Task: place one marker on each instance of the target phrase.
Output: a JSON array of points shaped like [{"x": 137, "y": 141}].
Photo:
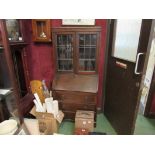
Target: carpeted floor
[
  {"x": 103, "y": 125},
  {"x": 144, "y": 126}
]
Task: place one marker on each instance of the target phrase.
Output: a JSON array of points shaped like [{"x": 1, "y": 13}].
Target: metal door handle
[{"x": 137, "y": 61}]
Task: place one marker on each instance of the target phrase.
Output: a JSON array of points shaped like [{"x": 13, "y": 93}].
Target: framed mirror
[{"x": 14, "y": 30}]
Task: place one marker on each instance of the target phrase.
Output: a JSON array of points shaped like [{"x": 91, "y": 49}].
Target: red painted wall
[
  {"x": 40, "y": 55},
  {"x": 101, "y": 23}
]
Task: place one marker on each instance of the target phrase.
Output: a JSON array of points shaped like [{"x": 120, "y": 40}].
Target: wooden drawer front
[
  {"x": 70, "y": 102},
  {"x": 76, "y": 97},
  {"x": 90, "y": 98},
  {"x": 74, "y": 107},
  {"x": 91, "y": 107}
]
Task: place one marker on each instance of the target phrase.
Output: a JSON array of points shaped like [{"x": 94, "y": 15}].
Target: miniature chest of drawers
[{"x": 75, "y": 92}]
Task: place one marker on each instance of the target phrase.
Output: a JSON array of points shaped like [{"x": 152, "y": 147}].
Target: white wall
[{"x": 148, "y": 75}]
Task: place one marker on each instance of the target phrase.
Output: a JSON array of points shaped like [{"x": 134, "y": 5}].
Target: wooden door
[{"x": 128, "y": 40}]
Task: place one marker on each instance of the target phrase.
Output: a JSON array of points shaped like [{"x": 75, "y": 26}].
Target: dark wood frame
[
  {"x": 48, "y": 30},
  {"x": 0, "y": 40},
  {"x": 8, "y": 56},
  {"x": 105, "y": 63},
  {"x": 75, "y": 31},
  {"x": 26, "y": 72},
  {"x": 21, "y": 48}
]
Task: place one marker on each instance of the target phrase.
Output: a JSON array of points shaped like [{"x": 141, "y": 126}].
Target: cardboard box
[
  {"x": 84, "y": 120},
  {"x": 47, "y": 123}
]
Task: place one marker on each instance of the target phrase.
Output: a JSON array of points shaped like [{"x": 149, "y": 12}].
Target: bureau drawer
[
  {"x": 75, "y": 107},
  {"x": 91, "y": 107},
  {"x": 76, "y": 97},
  {"x": 70, "y": 102}
]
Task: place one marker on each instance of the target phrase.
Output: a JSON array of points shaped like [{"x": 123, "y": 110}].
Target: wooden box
[{"x": 84, "y": 120}]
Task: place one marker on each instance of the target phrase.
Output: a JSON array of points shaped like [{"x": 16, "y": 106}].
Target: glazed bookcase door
[
  {"x": 87, "y": 52},
  {"x": 76, "y": 49},
  {"x": 64, "y": 54}
]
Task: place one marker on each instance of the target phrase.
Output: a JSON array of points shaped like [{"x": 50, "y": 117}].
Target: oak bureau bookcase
[{"x": 75, "y": 84}]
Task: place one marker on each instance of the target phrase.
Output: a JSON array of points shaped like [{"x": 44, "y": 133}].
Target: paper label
[
  {"x": 84, "y": 122},
  {"x": 20, "y": 39}
]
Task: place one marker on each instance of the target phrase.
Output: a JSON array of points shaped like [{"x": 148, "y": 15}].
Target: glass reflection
[
  {"x": 8, "y": 104},
  {"x": 13, "y": 29},
  {"x": 87, "y": 52}
]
